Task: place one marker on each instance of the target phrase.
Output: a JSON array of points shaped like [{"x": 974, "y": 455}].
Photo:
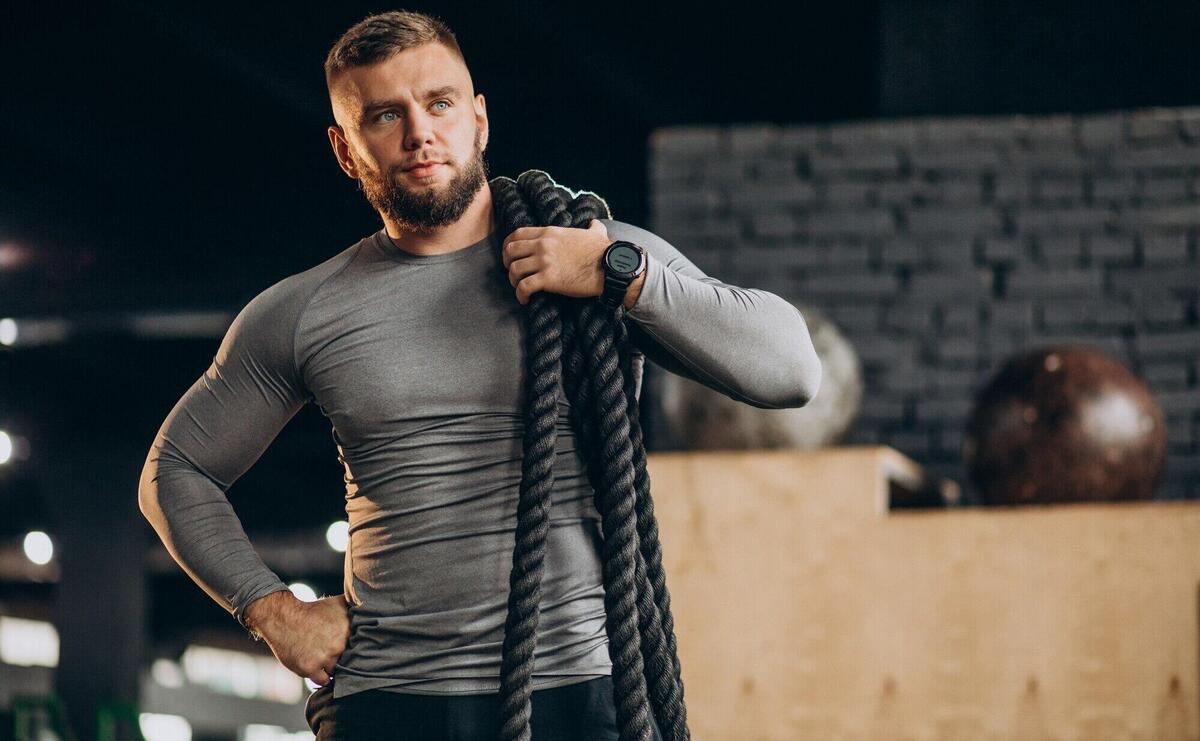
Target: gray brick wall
[{"x": 943, "y": 246}]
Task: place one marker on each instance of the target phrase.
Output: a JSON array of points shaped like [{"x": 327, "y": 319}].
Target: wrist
[
  {"x": 634, "y": 291},
  {"x": 263, "y": 613}
]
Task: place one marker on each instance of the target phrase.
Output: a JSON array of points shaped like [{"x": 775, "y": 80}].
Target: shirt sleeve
[
  {"x": 214, "y": 433},
  {"x": 746, "y": 343}
]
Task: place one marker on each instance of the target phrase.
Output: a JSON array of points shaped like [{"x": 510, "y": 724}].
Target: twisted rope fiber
[{"x": 582, "y": 348}]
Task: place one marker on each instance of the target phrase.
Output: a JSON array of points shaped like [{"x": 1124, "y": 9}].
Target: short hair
[{"x": 378, "y": 37}]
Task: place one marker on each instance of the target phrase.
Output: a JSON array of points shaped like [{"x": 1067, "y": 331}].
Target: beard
[{"x": 428, "y": 208}]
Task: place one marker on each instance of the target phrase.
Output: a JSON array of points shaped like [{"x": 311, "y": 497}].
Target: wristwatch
[{"x": 623, "y": 262}]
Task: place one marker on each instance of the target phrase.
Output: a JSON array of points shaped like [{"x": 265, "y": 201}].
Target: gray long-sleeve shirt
[{"x": 418, "y": 363}]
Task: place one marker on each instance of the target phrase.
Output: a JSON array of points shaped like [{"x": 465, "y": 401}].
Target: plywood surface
[{"x": 805, "y": 610}]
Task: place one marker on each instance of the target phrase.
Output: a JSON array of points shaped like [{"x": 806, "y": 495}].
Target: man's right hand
[{"x": 306, "y": 637}]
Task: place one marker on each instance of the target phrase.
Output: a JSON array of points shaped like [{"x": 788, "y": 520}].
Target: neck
[{"x": 472, "y": 226}]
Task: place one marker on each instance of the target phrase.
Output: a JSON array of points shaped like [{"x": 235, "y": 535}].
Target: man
[{"x": 410, "y": 341}]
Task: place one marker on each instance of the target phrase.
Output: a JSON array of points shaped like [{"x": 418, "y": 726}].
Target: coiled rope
[{"x": 581, "y": 348}]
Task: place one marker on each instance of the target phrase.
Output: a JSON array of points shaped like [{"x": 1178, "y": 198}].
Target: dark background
[{"x": 173, "y": 156}]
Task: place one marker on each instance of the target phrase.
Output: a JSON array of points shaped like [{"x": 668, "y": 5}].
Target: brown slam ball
[{"x": 1065, "y": 424}]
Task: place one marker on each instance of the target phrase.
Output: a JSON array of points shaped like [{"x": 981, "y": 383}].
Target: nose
[{"x": 419, "y": 132}]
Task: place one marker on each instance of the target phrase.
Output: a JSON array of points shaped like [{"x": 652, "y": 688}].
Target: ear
[
  {"x": 341, "y": 150},
  {"x": 481, "y": 120}
]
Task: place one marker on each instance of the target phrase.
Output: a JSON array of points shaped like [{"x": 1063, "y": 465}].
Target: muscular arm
[
  {"x": 215, "y": 432},
  {"x": 749, "y": 344}
]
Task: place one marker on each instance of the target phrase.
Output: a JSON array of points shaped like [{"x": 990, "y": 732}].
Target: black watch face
[{"x": 623, "y": 258}]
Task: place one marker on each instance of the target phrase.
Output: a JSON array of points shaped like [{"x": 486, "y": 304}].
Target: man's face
[{"x": 417, "y": 107}]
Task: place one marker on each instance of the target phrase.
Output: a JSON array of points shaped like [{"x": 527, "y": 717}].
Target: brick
[
  {"x": 936, "y": 410},
  {"x": 895, "y": 133},
  {"x": 1063, "y": 162},
  {"x": 1110, "y": 249},
  {"x": 687, "y": 140},
  {"x": 998, "y": 249},
  {"x": 773, "y": 225},
  {"x": 1059, "y": 250},
  {"x": 959, "y": 318},
  {"x": 1067, "y": 219},
  {"x": 864, "y": 222},
  {"x": 1157, "y": 159},
  {"x": 938, "y": 286},
  {"x": 852, "y": 285},
  {"x": 977, "y": 220},
  {"x": 1182, "y": 400},
  {"x": 845, "y": 257},
  {"x": 1012, "y": 188},
  {"x": 1152, "y": 282},
  {"x": 855, "y": 318},
  {"x": 1164, "y": 189},
  {"x": 765, "y": 260},
  {"x": 1113, "y": 346},
  {"x": 1113, "y": 188},
  {"x": 1168, "y": 344},
  {"x": 1057, "y": 315},
  {"x": 877, "y": 408},
  {"x": 1164, "y": 249},
  {"x": 1048, "y": 283},
  {"x": 1009, "y": 314},
  {"x": 959, "y": 191},
  {"x": 886, "y": 349},
  {"x": 687, "y": 229},
  {"x": 951, "y": 381},
  {"x": 849, "y": 192},
  {"x": 878, "y": 162},
  {"x": 753, "y": 138},
  {"x": 951, "y": 252},
  {"x": 801, "y": 138},
  {"x": 967, "y": 132},
  {"x": 1156, "y": 125},
  {"x": 1102, "y": 132},
  {"x": 1189, "y": 124},
  {"x": 685, "y": 201},
  {"x": 1058, "y": 190},
  {"x": 1165, "y": 375},
  {"x": 773, "y": 170},
  {"x": 897, "y": 251},
  {"x": 913, "y": 443},
  {"x": 1161, "y": 310},
  {"x": 1048, "y": 132},
  {"x": 967, "y": 160},
  {"x": 750, "y": 196},
  {"x": 957, "y": 350},
  {"x": 1166, "y": 217},
  {"x": 908, "y": 317}
]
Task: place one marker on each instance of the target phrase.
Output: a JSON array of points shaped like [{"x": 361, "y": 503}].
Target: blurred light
[
  {"x": 338, "y": 536},
  {"x": 8, "y": 331},
  {"x": 259, "y": 732},
  {"x": 167, "y": 673},
  {"x": 159, "y": 727},
  {"x": 14, "y": 256},
  {"x": 6, "y": 447},
  {"x": 242, "y": 674},
  {"x": 38, "y": 547},
  {"x": 28, "y": 642},
  {"x": 303, "y": 592},
  {"x": 311, "y": 685}
]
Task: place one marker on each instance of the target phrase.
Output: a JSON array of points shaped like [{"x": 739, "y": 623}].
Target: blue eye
[
  {"x": 443, "y": 102},
  {"x": 387, "y": 116}
]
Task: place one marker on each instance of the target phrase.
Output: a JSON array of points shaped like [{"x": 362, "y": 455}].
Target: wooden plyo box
[{"x": 807, "y": 610}]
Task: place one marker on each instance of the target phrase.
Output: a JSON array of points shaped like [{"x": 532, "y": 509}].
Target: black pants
[{"x": 576, "y": 712}]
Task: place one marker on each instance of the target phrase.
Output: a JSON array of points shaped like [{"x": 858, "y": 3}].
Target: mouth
[{"x": 423, "y": 170}]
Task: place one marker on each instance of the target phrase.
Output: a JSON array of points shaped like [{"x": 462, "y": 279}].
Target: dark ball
[{"x": 1065, "y": 424}]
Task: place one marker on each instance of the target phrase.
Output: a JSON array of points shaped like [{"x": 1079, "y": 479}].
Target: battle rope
[{"x": 583, "y": 346}]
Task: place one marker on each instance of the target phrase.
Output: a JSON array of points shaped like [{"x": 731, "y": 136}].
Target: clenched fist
[{"x": 306, "y": 637}]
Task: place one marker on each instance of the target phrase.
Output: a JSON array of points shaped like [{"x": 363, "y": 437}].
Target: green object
[
  {"x": 109, "y": 717},
  {"x": 33, "y": 718}
]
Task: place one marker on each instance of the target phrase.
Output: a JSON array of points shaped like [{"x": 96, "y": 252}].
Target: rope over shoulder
[{"x": 579, "y": 348}]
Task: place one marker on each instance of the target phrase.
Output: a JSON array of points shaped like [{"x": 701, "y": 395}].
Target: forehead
[{"x": 405, "y": 74}]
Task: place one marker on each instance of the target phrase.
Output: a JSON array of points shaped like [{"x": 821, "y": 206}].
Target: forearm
[
  {"x": 750, "y": 344},
  {"x": 200, "y": 530}
]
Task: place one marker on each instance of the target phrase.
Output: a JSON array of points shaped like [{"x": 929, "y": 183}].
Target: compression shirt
[{"x": 418, "y": 363}]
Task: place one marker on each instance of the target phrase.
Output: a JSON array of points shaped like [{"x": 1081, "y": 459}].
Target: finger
[
  {"x": 320, "y": 677},
  {"x": 524, "y": 233},
  {"x": 597, "y": 226},
  {"x": 523, "y": 268},
  {"x": 527, "y": 287},
  {"x": 516, "y": 250}
]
